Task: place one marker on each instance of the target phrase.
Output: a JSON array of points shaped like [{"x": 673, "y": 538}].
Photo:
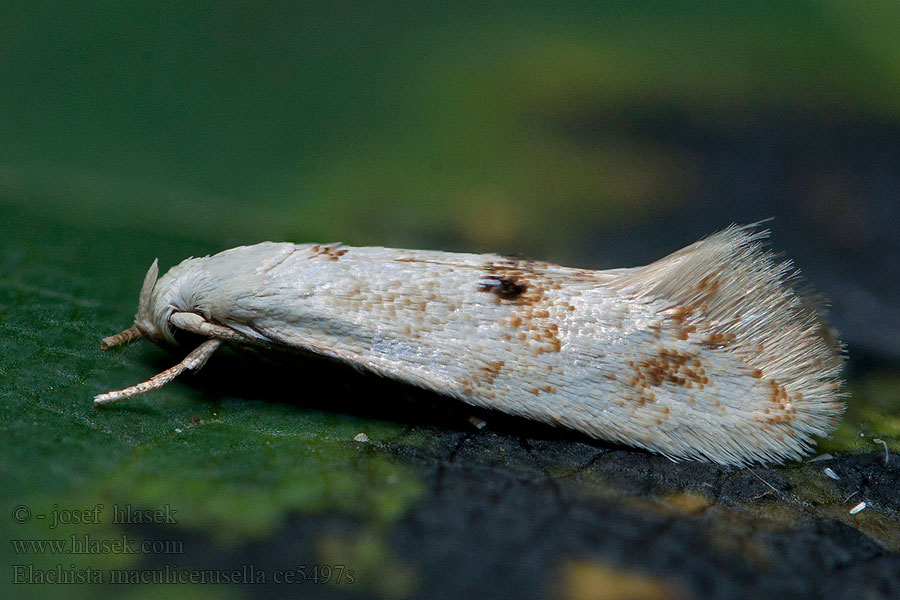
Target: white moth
[{"x": 704, "y": 354}]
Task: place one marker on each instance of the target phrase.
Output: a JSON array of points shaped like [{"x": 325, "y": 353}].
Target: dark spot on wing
[{"x": 505, "y": 288}]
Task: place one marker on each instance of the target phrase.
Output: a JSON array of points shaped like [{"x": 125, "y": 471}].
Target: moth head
[{"x": 185, "y": 288}]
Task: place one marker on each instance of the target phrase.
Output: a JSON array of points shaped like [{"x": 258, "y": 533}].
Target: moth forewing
[{"x": 707, "y": 353}]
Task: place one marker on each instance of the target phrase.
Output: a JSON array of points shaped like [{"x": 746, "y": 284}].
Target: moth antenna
[
  {"x": 192, "y": 362},
  {"x": 120, "y": 338}
]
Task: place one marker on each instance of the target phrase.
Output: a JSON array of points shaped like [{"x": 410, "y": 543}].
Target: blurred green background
[
  {"x": 601, "y": 134},
  {"x": 403, "y": 123}
]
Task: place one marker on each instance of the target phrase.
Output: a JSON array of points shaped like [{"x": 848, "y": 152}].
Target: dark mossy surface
[{"x": 598, "y": 136}]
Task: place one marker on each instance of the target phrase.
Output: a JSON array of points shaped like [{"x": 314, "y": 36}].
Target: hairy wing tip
[{"x": 731, "y": 289}]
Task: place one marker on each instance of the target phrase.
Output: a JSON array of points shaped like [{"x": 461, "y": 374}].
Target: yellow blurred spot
[
  {"x": 688, "y": 502},
  {"x": 368, "y": 564},
  {"x": 584, "y": 580}
]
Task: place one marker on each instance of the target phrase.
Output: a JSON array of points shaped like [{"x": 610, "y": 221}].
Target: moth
[{"x": 708, "y": 353}]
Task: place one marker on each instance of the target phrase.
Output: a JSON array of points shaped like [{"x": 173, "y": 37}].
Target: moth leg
[
  {"x": 195, "y": 323},
  {"x": 193, "y": 362}
]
